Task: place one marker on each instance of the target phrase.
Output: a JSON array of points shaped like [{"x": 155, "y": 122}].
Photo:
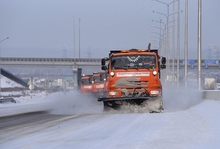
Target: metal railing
[{"x": 69, "y": 62}]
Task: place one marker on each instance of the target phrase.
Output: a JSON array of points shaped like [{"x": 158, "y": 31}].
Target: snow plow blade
[{"x": 148, "y": 104}]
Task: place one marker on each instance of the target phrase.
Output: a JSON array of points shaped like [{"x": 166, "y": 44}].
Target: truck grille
[{"x": 134, "y": 82}]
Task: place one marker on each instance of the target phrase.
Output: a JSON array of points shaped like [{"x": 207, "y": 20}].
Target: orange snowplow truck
[
  {"x": 134, "y": 78},
  {"x": 86, "y": 84},
  {"x": 99, "y": 81}
]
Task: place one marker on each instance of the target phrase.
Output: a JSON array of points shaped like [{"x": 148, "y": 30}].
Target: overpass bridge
[
  {"x": 48, "y": 62},
  {"x": 208, "y": 65},
  {"x": 80, "y": 62}
]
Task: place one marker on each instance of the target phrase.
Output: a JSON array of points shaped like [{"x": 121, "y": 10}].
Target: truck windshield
[
  {"x": 97, "y": 79},
  {"x": 133, "y": 61},
  {"x": 86, "y": 81}
]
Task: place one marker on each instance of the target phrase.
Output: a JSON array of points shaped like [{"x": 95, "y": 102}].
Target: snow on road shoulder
[
  {"x": 210, "y": 109},
  {"x": 5, "y": 82},
  {"x": 75, "y": 103},
  {"x": 177, "y": 99},
  {"x": 190, "y": 128},
  {"x": 57, "y": 103}
]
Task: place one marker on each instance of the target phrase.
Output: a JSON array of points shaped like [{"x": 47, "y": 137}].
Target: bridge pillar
[
  {"x": 79, "y": 74},
  {"x": 75, "y": 73}
]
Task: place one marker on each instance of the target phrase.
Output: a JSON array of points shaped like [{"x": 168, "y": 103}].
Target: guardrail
[{"x": 65, "y": 62}]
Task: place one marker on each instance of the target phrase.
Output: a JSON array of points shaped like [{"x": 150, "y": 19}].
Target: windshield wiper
[{"x": 134, "y": 66}]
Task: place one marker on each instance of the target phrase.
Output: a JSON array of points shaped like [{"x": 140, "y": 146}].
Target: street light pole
[
  {"x": 158, "y": 42},
  {"x": 74, "y": 40},
  {"x": 168, "y": 41},
  {"x": 79, "y": 37},
  {"x": 160, "y": 37},
  {"x": 162, "y": 46},
  {"x": 161, "y": 22},
  {"x": 0, "y": 63},
  {"x": 186, "y": 44},
  {"x": 199, "y": 42},
  {"x": 173, "y": 45},
  {"x": 178, "y": 45}
]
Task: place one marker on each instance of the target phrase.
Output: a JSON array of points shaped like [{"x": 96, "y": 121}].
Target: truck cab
[
  {"x": 99, "y": 83},
  {"x": 134, "y": 77},
  {"x": 86, "y": 84}
]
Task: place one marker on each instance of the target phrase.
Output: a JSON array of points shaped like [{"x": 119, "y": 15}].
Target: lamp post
[
  {"x": 162, "y": 39},
  {"x": 167, "y": 17},
  {"x": 162, "y": 33},
  {"x": 0, "y": 62},
  {"x": 186, "y": 44},
  {"x": 158, "y": 38},
  {"x": 74, "y": 40},
  {"x": 199, "y": 42},
  {"x": 79, "y": 38},
  {"x": 168, "y": 40},
  {"x": 178, "y": 45},
  {"x": 173, "y": 46}
]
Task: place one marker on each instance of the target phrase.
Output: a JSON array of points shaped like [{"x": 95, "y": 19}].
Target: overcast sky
[{"x": 44, "y": 28}]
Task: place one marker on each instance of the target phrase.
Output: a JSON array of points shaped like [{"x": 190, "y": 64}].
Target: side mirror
[
  {"x": 163, "y": 66},
  {"x": 104, "y": 67},
  {"x": 163, "y": 60},
  {"x": 103, "y": 61}
]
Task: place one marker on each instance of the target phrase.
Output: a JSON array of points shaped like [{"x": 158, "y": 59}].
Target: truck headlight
[
  {"x": 112, "y": 74},
  {"x": 154, "y": 73},
  {"x": 154, "y": 92},
  {"x": 112, "y": 93}
]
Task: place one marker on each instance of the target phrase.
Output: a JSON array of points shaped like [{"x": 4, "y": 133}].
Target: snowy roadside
[
  {"x": 56, "y": 103},
  {"x": 73, "y": 102},
  {"x": 25, "y": 104}
]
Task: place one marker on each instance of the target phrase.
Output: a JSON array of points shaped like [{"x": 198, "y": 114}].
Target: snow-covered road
[{"x": 189, "y": 123}]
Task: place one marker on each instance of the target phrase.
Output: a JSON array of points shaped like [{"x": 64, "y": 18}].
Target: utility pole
[
  {"x": 74, "y": 40},
  {"x": 199, "y": 42},
  {"x": 178, "y": 45},
  {"x": 79, "y": 37},
  {"x": 186, "y": 44},
  {"x": 173, "y": 45},
  {"x": 168, "y": 35}
]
